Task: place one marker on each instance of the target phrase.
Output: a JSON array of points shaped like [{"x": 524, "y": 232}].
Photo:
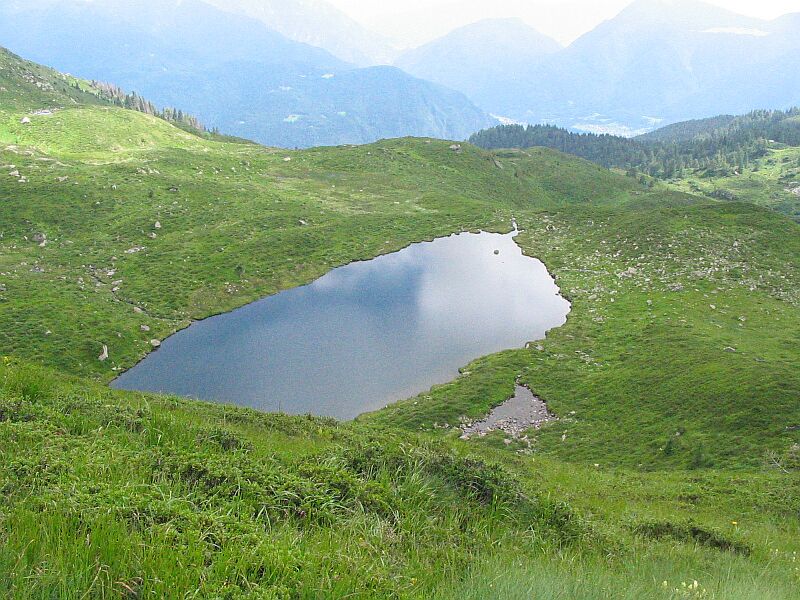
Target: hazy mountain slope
[
  {"x": 352, "y": 107},
  {"x": 480, "y": 58},
  {"x": 658, "y": 61},
  {"x": 673, "y": 61},
  {"x": 232, "y": 72},
  {"x": 317, "y": 23}
]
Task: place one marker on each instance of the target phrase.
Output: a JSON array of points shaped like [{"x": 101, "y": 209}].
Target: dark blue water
[{"x": 364, "y": 335}]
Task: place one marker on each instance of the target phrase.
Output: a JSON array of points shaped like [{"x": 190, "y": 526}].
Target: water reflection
[{"x": 363, "y": 335}]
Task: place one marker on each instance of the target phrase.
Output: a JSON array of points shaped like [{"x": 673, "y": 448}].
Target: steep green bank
[
  {"x": 112, "y": 495},
  {"x": 674, "y": 459}
]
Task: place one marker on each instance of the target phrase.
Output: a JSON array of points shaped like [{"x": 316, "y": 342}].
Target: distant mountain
[
  {"x": 663, "y": 61},
  {"x": 657, "y": 62},
  {"x": 353, "y": 107},
  {"x": 233, "y": 72},
  {"x": 480, "y": 59},
  {"x": 317, "y": 23}
]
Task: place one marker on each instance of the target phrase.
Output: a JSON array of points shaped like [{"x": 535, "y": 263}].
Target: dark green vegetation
[
  {"x": 676, "y": 379},
  {"x": 728, "y": 158},
  {"x": 721, "y": 145}
]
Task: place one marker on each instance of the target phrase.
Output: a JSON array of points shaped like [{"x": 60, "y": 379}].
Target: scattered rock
[
  {"x": 456, "y": 147},
  {"x": 25, "y": 120},
  {"x": 104, "y": 354},
  {"x": 38, "y": 238},
  {"x": 730, "y": 349},
  {"x": 14, "y": 173},
  {"x": 137, "y": 310},
  {"x": 155, "y": 343},
  {"x": 157, "y": 225},
  {"x": 515, "y": 416},
  {"x": 62, "y": 179},
  {"x": 144, "y": 328}
]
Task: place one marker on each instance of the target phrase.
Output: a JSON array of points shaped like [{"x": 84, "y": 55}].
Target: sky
[{"x": 414, "y": 22}]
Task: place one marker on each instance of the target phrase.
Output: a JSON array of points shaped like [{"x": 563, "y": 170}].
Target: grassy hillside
[
  {"x": 674, "y": 459},
  {"x": 772, "y": 181},
  {"x": 681, "y": 348},
  {"x": 752, "y": 157},
  {"x": 118, "y": 220},
  {"x": 110, "y": 495}
]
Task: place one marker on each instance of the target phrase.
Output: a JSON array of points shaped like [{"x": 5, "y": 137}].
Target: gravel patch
[{"x": 514, "y": 417}]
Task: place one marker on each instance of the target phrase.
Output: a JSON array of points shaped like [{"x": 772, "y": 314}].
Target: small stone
[
  {"x": 137, "y": 310},
  {"x": 25, "y": 120},
  {"x": 144, "y": 328},
  {"x": 155, "y": 343},
  {"x": 157, "y": 225},
  {"x": 104, "y": 354}
]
